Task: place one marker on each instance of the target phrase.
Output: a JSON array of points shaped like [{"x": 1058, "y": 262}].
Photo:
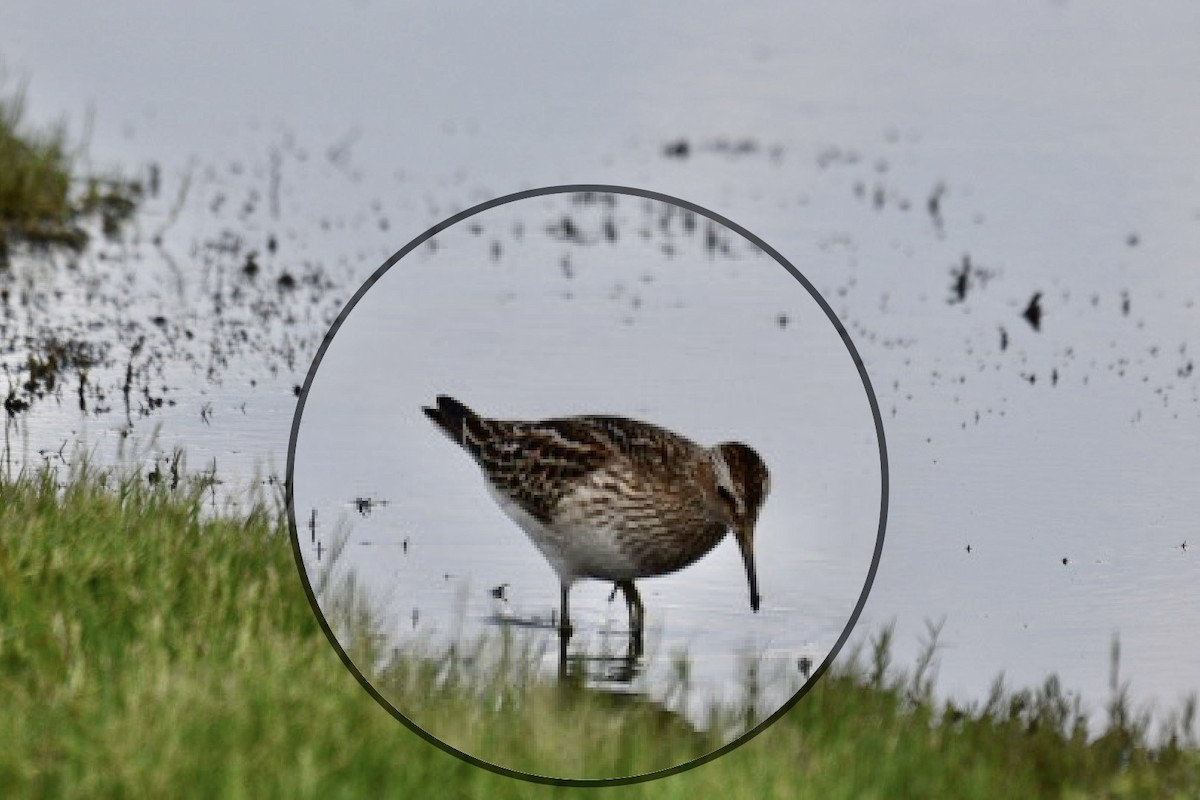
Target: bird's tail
[{"x": 455, "y": 420}]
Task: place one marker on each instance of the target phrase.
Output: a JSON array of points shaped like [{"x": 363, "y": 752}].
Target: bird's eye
[{"x": 726, "y": 496}]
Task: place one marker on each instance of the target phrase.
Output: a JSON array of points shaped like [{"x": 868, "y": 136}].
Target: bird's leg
[
  {"x": 636, "y": 613},
  {"x": 564, "y": 623}
]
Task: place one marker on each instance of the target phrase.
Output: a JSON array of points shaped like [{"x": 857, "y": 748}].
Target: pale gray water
[
  {"x": 1064, "y": 135},
  {"x": 646, "y": 321}
]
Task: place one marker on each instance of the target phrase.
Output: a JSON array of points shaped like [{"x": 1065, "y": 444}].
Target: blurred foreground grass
[{"x": 149, "y": 648}]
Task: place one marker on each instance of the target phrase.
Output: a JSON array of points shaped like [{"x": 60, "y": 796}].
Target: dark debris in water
[
  {"x": 565, "y": 230},
  {"x": 1033, "y": 311},
  {"x": 48, "y": 362},
  {"x": 365, "y": 505},
  {"x": 250, "y": 308},
  {"x": 98, "y": 328},
  {"x": 732, "y": 148},
  {"x": 962, "y": 281},
  {"x": 677, "y": 149},
  {"x": 934, "y": 204}
]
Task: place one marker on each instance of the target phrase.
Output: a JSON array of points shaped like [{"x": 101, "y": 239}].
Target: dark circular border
[{"x": 572, "y": 189}]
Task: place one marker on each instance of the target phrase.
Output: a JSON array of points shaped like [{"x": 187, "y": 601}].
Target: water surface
[{"x": 1050, "y": 144}]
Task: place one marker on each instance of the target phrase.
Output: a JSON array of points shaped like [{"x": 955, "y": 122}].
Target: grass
[
  {"x": 44, "y": 203},
  {"x": 151, "y": 648},
  {"x": 488, "y": 697}
]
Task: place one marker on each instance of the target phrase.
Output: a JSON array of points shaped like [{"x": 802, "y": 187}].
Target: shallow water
[
  {"x": 1063, "y": 138},
  {"x": 612, "y": 304}
]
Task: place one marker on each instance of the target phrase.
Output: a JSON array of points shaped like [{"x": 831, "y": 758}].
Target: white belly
[{"x": 573, "y": 549}]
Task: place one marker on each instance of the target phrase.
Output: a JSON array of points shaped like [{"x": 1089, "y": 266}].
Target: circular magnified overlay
[{"x": 587, "y": 484}]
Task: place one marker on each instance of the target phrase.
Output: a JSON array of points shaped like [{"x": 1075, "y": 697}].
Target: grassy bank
[
  {"x": 150, "y": 650},
  {"x": 45, "y": 201}
]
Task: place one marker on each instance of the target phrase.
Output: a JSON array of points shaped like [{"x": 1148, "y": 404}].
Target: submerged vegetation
[
  {"x": 45, "y": 204},
  {"x": 152, "y": 647}
]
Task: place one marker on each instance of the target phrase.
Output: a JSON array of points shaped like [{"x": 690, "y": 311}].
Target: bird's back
[{"x": 537, "y": 463}]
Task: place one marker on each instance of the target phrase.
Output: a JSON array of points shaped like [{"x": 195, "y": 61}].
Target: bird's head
[{"x": 740, "y": 487}]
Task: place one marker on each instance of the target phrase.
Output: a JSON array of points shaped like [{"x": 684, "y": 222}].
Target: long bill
[{"x": 745, "y": 539}]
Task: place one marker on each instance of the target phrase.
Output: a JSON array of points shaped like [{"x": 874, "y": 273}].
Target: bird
[{"x": 611, "y": 498}]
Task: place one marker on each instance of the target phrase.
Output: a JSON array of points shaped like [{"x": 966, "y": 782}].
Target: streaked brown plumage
[{"x": 612, "y": 498}]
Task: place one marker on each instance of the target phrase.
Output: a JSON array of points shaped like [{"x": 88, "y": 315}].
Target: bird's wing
[{"x": 536, "y": 463}]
